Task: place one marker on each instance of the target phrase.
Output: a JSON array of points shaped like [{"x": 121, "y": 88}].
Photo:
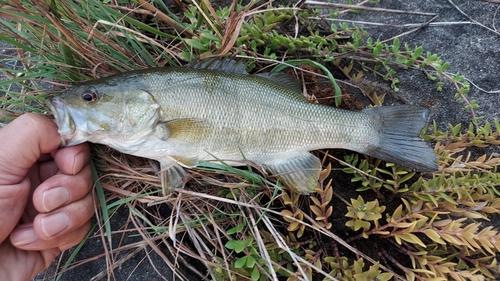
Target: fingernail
[
  {"x": 54, "y": 198},
  {"x": 79, "y": 162},
  {"x": 53, "y": 224},
  {"x": 23, "y": 236}
]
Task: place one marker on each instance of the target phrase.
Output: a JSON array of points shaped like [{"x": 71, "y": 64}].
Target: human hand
[{"x": 45, "y": 196}]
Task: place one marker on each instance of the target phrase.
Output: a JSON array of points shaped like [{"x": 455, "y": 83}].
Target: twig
[
  {"x": 343, "y": 6},
  {"x": 473, "y": 20},
  {"x": 481, "y": 89},
  {"x": 490, "y": 1},
  {"x": 390, "y": 24}
]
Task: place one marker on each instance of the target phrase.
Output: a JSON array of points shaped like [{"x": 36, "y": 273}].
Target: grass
[{"x": 235, "y": 224}]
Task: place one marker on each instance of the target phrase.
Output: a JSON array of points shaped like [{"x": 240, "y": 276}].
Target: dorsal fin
[
  {"x": 231, "y": 66},
  {"x": 284, "y": 80},
  {"x": 225, "y": 65}
]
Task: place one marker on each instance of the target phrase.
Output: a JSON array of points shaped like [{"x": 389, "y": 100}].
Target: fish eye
[{"x": 90, "y": 95}]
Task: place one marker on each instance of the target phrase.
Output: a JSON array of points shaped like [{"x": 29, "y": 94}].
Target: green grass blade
[{"x": 102, "y": 202}]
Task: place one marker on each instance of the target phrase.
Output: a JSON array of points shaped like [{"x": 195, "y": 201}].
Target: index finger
[{"x": 22, "y": 143}]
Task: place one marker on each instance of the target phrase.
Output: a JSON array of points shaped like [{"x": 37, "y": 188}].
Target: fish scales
[
  {"x": 183, "y": 115},
  {"x": 247, "y": 116}
]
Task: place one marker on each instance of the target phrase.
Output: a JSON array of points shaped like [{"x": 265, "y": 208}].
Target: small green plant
[
  {"x": 247, "y": 263},
  {"x": 364, "y": 214},
  {"x": 431, "y": 225}
]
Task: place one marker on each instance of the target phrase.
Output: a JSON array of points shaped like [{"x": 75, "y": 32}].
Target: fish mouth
[{"x": 66, "y": 126}]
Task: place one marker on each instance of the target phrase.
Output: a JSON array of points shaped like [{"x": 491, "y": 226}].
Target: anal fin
[
  {"x": 300, "y": 173},
  {"x": 172, "y": 176}
]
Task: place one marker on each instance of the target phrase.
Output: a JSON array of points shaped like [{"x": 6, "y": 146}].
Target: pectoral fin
[
  {"x": 172, "y": 176},
  {"x": 300, "y": 173},
  {"x": 187, "y": 130}
]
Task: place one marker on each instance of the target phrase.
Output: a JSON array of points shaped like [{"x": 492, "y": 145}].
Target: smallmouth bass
[{"x": 204, "y": 112}]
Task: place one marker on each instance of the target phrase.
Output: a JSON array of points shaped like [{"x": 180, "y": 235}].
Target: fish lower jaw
[
  {"x": 131, "y": 145},
  {"x": 71, "y": 137}
]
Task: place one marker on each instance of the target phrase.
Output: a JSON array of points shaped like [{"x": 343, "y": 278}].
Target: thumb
[
  {"x": 22, "y": 143},
  {"x": 13, "y": 199}
]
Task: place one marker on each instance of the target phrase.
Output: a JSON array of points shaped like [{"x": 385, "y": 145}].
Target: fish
[{"x": 217, "y": 111}]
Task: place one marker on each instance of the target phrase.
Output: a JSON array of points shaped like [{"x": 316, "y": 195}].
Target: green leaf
[
  {"x": 444, "y": 67},
  {"x": 236, "y": 245},
  {"x": 397, "y": 213},
  {"x": 239, "y": 263},
  {"x": 406, "y": 177},
  {"x": 333, "y": 28},
  {"x": 369, "y": 42},
  {"x": 377, "y": 49},
  {"x": 431, "y": 233},
  {"x": 11, "y": 41},
  {"x": 410, "y": 276},
  {"x": 447, "y": 198},
  {"x": 412, "y": 238},
  {"x": 210, "y": 36},
  {"x": 250, "y": 261},
  {"x": 249, "y": 241},
  {"x": 486, "y": 129},
  {"x": 195, "y": 44},
  {"x": 384, "y": 277},
  {"x": 255, "y": 274},
  {"x": 237, "y": 229},
  {"x": 395, "y": 45},
  {"x": 417, "y": 53}
]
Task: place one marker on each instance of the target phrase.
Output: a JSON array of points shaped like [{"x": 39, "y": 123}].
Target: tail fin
[{"x": 399, "y": 140}]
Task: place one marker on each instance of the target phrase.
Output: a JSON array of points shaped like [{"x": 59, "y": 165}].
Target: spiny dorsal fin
[
  {"x": 230, "y": 66},
  {"x": 225, "y": 65}
]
